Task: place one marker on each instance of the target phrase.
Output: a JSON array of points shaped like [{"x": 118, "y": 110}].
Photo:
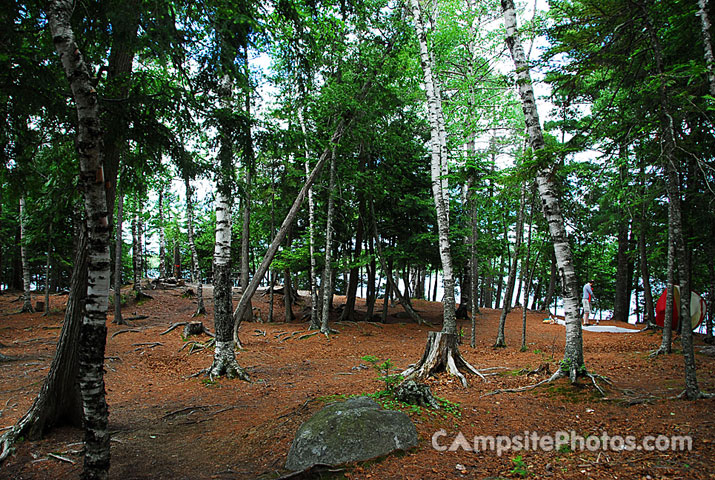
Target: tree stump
[
  {"x": 39, "y": 306},
  {"x": 414, "y": 393},
  {"x": 194, "y": 328},
  {"x": 441, "y": 354}
]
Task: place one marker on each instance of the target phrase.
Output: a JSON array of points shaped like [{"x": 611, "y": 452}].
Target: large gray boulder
[{"x": 354, "y": 430}]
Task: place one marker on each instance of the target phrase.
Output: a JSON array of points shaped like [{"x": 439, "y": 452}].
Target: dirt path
[{"x": 167, "y": 425}]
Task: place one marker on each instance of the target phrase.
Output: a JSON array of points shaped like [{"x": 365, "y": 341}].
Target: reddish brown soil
[{"x": 166, "y": 425}]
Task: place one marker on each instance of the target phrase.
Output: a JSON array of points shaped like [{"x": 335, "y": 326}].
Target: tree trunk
[
  {"x": 195, "y": 271},
  {"x": 93, "y": 331},
  {"x": 224, "y": 363},
  {"x": 162, "y": 236},
  {"x": 246, "y": 227},
  {"x": 707, "y": 43},
  {"x": 511, "y": 279},
  {"x": 573, "y": 361},
  {"x": 59, "y": 401},
  {"x": 118, "y": 261},
  {"x": 137, "y": 254},
  {"x": 474, "y": 270},
  {"x": 440, "y": 191},
  {"x": 278, "y": 239},
  {"x": 26, "y": 295},
  {"x": 47, "y": 270},
  {"x": 372, "y": 286},
  {"x": 177, "y": 260},
  {"x": 314, "y": 320},
  {"x": 645, "y": 274},
  {"x": 672, "y": 166},
  {"x": 328, "y": 268},
  {"x": 622, "y": 302},
  {"x": 351, "y": 293}
]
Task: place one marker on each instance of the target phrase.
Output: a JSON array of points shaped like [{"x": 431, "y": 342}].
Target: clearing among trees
[{"x": 165, "y": 424}]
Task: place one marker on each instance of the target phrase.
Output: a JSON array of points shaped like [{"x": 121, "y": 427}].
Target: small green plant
[
  {"x": 564, "y": 448},
  {"x": 520, "y": 467},
  {"x": 391, "y": 379}
]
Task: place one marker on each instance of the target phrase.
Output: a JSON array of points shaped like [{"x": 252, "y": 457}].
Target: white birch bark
[
  {"x": 314, "y": 323},
  {"x": 328, "y": 270},
  {"x": 437, "y": 169},
  {"x": 573, "y": 355},
  {"x": 162, "y": 236},
  {"x": 26, "y": 294},
  {"x": 224, "y": 363},
  {"x": 93, "y": 331}
]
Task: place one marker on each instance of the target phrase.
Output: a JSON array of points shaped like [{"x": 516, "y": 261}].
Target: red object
[{"x": 697, "y": 309}]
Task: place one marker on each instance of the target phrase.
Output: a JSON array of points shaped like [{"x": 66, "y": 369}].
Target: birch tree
[
  {"x": 26, "y": 288},
  {"x": 93, "y": 332},
  {"x": 573, "y": 362},
  {"x": 441, "y": 351},
  {"x": 328, "y": 268}
]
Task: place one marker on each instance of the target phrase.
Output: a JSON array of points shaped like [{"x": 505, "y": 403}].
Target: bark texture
[
  {"x": 26, "y": 293},
  {"x": 93, "y": 331},
  {"x": 573, "y": 361},
  {"x": 328, "y": 269}
]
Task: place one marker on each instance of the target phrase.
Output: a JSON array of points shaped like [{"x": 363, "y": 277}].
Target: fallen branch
[{"x": 136, "y": 317}]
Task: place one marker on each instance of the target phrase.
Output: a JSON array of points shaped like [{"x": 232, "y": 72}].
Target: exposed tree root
[
  {"x": 559, "y": 374},
  {"x": 126, "y": 330},
  {"x": 173, "y": 326},
  {"x": 441, "y": 354},
  {"x": 658, "y": 351},
  {"x": 225, "y": 365}
]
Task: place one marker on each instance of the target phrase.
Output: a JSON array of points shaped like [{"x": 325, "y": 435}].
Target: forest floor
[{"x": 166, "y": 425}]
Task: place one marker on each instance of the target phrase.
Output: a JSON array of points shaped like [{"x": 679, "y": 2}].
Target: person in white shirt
[{"x": 588, "y": 297}]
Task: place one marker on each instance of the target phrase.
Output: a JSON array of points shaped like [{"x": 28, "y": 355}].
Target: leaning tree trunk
[
  {"x": 26, "y": 295},
  {"x": 282, "y": 231},
  {"x": 573, "y": 362},
  {"x": 93, "y": 331},
  {"x": 118, "y": 261},
  {"x": 328, "y": 268},
  {"x": 195, "y": 273},
  {"x": 441, "y": 351},
  {"x": 342, "y": 125}
]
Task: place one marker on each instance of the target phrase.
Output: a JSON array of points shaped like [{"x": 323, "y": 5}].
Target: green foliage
[
  {"x": 383, "y": 368},
  {"x": 520, "y": 469}
]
